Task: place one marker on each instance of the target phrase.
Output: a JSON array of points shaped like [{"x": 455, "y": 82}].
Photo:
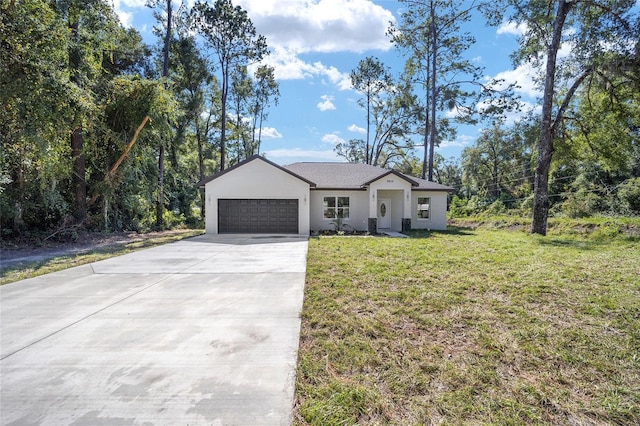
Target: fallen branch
[{"x": 124, "y": 155}]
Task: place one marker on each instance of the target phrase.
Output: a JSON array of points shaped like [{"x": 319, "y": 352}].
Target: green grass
[
  {"x": 471, "y": 327},
  {"x": 33, "y": 269}
]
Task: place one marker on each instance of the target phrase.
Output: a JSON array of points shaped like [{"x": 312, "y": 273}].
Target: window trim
[
  {"x": 428, "y": 210},
  {"x": 335, "y": 198}
]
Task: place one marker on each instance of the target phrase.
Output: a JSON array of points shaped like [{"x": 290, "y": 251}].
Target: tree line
[
  {"x": 577, "y": 153},
  {"x": 102, "y": 131}
]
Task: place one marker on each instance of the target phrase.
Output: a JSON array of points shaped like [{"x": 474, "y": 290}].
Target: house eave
[{"x": 338, "y": 189}]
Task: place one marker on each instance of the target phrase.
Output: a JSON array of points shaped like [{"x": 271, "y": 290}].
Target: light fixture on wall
[{"x": 407, "y": 195}]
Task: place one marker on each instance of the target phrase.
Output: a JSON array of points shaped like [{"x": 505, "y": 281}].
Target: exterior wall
[
  {"x": 438, "y": 215},
  {"x": 358, "y": 210},
  {"x": 257, "y": 179}
]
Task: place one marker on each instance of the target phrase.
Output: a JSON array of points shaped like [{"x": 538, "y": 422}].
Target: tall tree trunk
[
  {"x": 167, "y": 42},
  {"x": 160, "y": 196},
  {"x": 223, "y": 114},
  {"x": 77, "y": 138},
  {"x": 200, "y": 138},
  {"x": 367, "y": 156},
  {"x": 496, "y": 180},
  {"x": 425, "y": 155},
  {"x": 18, "y": 218},
  {"x": 79, "y": 174},
  {"x": 434, "y": 90},
  {"x": 260, "y": 131},
  {"x": 165, "y": 74},
  {"x": 545, "y": 144}
]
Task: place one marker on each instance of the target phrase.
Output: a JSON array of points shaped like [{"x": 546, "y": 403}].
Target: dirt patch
[{"x": 30, "y": 250}]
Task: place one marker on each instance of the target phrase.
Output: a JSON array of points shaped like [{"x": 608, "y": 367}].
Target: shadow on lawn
[
  {"x": 586, "y": 245},
  {"x": 451, "y": 230}
]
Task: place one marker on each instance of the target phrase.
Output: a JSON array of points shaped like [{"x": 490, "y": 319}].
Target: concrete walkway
[{"x": 202, "y": 331}]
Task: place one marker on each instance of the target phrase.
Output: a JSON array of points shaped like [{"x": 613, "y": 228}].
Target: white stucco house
[{"x": 259, "y": 196}]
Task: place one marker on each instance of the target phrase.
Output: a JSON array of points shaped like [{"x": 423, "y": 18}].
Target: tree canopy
[{"x": 101, "y": 131}]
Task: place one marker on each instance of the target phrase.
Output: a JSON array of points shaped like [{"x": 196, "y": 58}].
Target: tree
[
  {"x": 194, "y": 85},
  {"x": 90, "y": 25},
  {"x": 35, "y": 95},
  {"x": 353, "y": 151},
  {"x": 430, "y": 31},
  {"x": 266, "y": 91},
  {"x": 230, "y": 34},
  {"x": 448, "y": 172},
  {"x": 604, "y": 124},
  {"x": 595, "y": 33},
  {"x": 241, "y": 94},
  {"x": 489, "y": 163},
  {"x": 129, "y": 103},
  {"x": 390, "y": 115},
  {"x": 167, "y": 7},
  {"x": 373, "y": 79},
  {"x": 59, "y": 62}
]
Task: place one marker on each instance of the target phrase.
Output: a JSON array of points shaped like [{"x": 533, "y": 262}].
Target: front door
[{"x": 384, "y": 213}]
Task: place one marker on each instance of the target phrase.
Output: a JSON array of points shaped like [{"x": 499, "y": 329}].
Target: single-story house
[{"x": 259, "y": 196}]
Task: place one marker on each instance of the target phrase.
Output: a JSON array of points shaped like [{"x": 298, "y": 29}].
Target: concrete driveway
[{"x": 202, "y": 331}]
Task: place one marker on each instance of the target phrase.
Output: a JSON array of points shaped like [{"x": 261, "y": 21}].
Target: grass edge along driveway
[{"x": 470, "y": 327}]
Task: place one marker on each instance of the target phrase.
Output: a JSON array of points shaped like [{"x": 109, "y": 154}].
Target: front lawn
[{"x": 470, "y": 327}]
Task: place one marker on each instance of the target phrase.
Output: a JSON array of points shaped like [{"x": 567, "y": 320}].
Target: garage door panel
[{"x": 258, "y": 216}]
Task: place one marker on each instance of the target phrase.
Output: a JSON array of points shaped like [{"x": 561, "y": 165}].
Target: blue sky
[{"x": 315, "y": 44}]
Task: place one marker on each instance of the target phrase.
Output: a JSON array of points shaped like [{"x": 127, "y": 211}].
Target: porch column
[
  {"x": 372, "y": 225},
  {"x": 406, "y": 215}
]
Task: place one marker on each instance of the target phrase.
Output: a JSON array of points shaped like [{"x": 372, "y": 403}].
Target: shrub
[{"x": 629, "y": 195}]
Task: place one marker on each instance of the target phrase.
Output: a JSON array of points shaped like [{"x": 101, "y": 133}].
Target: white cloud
[
  {"x": 288, "y": 66},
  {"x": 460, "y": 142},
  {"x": 294, "y": 27},
  {"x": 126, "y": 18},
  {"x": 513, "y": 117},
  {"x": 133, "y": 3},
  {"x": 356, "y": 129},
  {"x": 332, "y": 138},
  {"x": 524, "y": 77},
  {"x": 270, "y": 133},
  {"x": 326, "y": 104},
  {"x": 512, "y": 28},
  {"x": 321, "y": 25}
]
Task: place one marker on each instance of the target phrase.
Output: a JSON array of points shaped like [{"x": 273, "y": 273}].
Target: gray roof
[{"x": 354, "y": 176}]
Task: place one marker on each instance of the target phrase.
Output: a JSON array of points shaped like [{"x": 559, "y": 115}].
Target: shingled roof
[{"x": 354, "y": 176}]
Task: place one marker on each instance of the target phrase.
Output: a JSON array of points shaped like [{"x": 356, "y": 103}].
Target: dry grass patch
[
  {"x": 470, "y": 326},
  {"x": 58, "y": 262}
]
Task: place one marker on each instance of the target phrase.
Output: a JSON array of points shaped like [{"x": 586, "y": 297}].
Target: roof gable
[
  {"x": 393, "y": 172},
  {"x": 203, "y": 182}
]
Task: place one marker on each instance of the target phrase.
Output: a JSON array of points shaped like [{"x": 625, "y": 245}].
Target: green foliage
[
  {"x": 444, "y": 78},
  {"x": 231, "y": 37},
  {"x": 390, "y": 114},
  {"x": 629, "y": 195}
]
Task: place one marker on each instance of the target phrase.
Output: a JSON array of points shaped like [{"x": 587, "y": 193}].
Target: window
[
  {"x": 336, "y": 207},
  {"x": 424, "y": 204}
]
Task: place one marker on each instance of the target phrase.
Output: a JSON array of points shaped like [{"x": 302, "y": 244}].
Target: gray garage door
[{"x": 258, "y": 216}]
